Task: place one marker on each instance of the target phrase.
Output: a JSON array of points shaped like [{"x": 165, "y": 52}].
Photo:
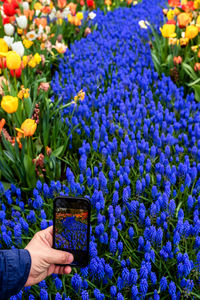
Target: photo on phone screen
[{"x": 71, "y": 227}]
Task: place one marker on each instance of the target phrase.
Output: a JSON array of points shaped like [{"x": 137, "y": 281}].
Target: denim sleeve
[{"x": 15, "y": 266}]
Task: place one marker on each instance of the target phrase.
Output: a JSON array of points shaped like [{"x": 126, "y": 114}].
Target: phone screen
[{"x": 71, "y": 228}]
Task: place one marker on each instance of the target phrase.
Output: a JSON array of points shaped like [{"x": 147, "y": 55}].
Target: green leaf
[
  {"x": 30, "y": 171},
  {"x": 197, "y": 92},
  {"x": 58, "y": 151},
  {"x": 194, "y": 82},
  {"x": 156, "y": 62},
  {"x": 9, "y": 155},
  {"x": 188, "y": 69}
]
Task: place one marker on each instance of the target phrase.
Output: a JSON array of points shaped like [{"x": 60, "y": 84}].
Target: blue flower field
[{"x": 135, "y": 153}]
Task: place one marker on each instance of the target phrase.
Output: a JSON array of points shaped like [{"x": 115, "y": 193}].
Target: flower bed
[
  {"x": 134, "y": 152},
  {"x": 176, "y": 50}
]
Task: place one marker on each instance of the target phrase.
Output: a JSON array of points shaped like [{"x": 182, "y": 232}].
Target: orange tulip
[
  {"x": 177, "y": 60},
  {"x": 41, "y": 21},
  {"x": 62, "y": 3},
  {"x": 183, "y": 19},
  {"x": 72, "y": 6},
  {"x": 28, "y": 127},
  {"x": 2, "y": 123}
]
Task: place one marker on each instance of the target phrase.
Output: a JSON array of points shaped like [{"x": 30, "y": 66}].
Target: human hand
[{"x": 44, "y": 258}]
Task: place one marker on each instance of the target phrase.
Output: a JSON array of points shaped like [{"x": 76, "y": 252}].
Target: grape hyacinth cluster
[
  {"x": 72, "y": 235},
  {"x": 135, "y": 154}
]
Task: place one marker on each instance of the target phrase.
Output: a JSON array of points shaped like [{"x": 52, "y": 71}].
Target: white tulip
[
  {"x": 9, "y": 40},
  {"x": 9, "y": 29},
  {"x": 18, "y": 47},
  {"x": 25, "y": 5},
  {"x": 91, "y": 15},
  {"x": 22, "y": 22}
]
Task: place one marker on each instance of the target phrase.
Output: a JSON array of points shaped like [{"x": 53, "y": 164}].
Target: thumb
[{"x": 59, "y": 257}]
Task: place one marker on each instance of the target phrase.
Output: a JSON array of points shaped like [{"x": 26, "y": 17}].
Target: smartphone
[{"x": 71, "y": 228}]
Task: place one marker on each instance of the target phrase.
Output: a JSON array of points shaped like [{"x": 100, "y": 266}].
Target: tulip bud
[
  {"x": 13, "y": 60},
  {"x": 9, "y": 29},
  {"x": 18, "y": 48},
  {"x": 87, "y": 31},
  {"x": 22, "y": 22},
  {"x": 9, "y": 104}
]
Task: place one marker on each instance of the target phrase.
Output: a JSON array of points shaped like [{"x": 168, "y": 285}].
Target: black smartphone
[{"x": 71, "y": 228}]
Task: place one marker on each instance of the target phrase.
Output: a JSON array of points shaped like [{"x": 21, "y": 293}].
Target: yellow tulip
[
  {"x": 13, "y": 60},
  {"x": 191, "y": 32},
  {"x": 28, "y": 127},
  {"x": 3, "y": 46},
  {"x": 168, "y": 30},
  {"x": 37, "y": 58},
  {"x": 9, "y": 104},
  {"x": 79, "y": 15},
  {"x": 170, "y": 14}
]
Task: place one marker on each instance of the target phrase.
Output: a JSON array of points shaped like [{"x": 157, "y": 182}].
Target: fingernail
[{"x": 70, "y": 258}]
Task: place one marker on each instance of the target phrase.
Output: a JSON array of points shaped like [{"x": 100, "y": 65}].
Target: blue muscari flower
[
  {"x": 133, "y": 276},
  {"x": 131, "y": 232},
  {"x": 163, "y": 283},
  {"x": 120, "y": 247},
  {"x": 113, "y": 246},
  {"x": 43, "y": 294},
  {"x": 2, "y": 215},
  {"x": 39, "y": 185},
  {"x": 2, "y": 190},
  {"x": 58, "y": 283},
  {"x": 58, "y": 296},
  {"x": 98, "y": 295},
  {"x": 138, "y": 187},
  {"x": 31, "y": 297},
  {"x": 31, "y": 217},
  {"x": 119, "y": 296},
  {"x": 43, "y": 224},
  {"x": 109, "y": 271},
  {"x": 190, "y": 202},
  {"x": 153, "y": 278},
  {"x": 120, "y": 283},
  {"x": 156, "y": 295},
  {"x": 125, "y": 276},
  {"x": 143, "y": 287},
  {"x": 172, "y": 288},
  {"x": 113, "y": 291},
  {"x": 76, "y": 282},
  {"x": 84, "y": 295}
]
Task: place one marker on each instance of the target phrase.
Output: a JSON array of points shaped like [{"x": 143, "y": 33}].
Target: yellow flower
[
  {"x": 173, "y": 41},
  {"x": 23, "y": 93},
  {"x": 20, "y": 31},
  {"x": 37, "y": 6},
  {"x": 3, "y": 46},
  {"x": 9, "y": 104},
  {"x": 170, "y": 14},
  {"x": 183, "y": 42},
  {"x": 194, "y": 48},
  {"x": 13, "y": 60},
  {"x": 28, "y": 127},
  {"x": 27, "y": 43},
  {"x": 80, "y": 96},
  {"x": 191, "y": 32},
  {"x": 168, "y": 30},
  {"x": 37, "y": 58},
  {"x": 25, "y": 60},
  {"x": 59, "y": 21},
  {"x": 79, "y": 15},
  {"x": 32, "y": 63},
  {"x": 197, "y": 4}
]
